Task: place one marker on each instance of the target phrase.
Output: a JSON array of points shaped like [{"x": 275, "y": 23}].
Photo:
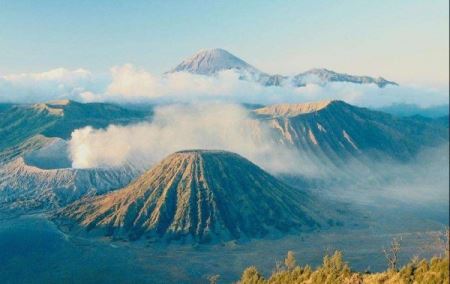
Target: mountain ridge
[
  {"x": 337, "y": 129},
  {"x": 209, "y": 62},
  {"x": 291, "y": 110},
  {"x": 322, "y": 76},
  {"x": 26, "y": 188},
  {"x": 21, "y": 122}
]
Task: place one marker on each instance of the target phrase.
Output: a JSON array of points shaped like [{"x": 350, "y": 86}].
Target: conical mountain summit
[{"x": 197, "y": 195}]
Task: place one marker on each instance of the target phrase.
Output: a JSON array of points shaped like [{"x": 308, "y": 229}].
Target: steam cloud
[
  {"x": 181, "y": 127},
  {"x": 422, "y": 181}
]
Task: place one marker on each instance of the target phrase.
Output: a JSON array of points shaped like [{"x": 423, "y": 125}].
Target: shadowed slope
[
  {"x": 26, "y": 188},
  {"x": 200, "y": 195},
  {"x": 336, "y": 130},
  {"x": 19, "y": 123}
]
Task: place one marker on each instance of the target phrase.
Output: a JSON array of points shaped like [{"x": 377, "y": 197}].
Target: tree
[
  {"x": 251, "y": 275},
  {"x": 213, "y": 279},
  {"x": 335, "y": 270},
  {"x": 391, "y": 254},
  {"x": 441, "y": 242},
  {"x": 290, "y": 261}
]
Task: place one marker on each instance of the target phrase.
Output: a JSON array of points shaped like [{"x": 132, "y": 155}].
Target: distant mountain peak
[
  {"x": 322, "y": 76},
  {"x": 218, "y": 52},
  {"x": 211, "y": 61}
]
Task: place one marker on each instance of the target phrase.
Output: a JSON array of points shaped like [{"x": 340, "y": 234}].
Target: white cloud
[
  {"x": 54, "y": 84},
  {"x": 128, "y": 83},
  {"x": 58, "y": 74}
]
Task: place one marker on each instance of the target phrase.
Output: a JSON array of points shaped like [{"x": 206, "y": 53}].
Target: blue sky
[{"x": 407, "y": 41}]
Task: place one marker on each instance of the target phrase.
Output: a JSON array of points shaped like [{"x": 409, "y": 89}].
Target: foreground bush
[{"x": 335, "y": 270}]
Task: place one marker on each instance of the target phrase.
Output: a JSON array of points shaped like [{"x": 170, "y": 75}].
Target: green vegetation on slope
[
  {"x": 335, "y": 270},
  {"x": 58, "y": 119}
]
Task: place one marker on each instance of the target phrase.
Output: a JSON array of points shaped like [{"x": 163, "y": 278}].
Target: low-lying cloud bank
[
  {"x": 181, "y": 127},
  {"x": 54, "y": 84},
  {"x": 130, "y": 84},
  {"x": 422, "y": 181}
]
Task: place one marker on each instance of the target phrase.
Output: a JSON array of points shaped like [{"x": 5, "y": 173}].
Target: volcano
[
  {"x": 43, "y": 179},
  {"x": 210, "y": 62},
  {"x": 199, "y": 196}
]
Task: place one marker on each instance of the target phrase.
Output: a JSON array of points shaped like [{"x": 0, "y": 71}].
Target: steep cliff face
[
  {"x": 335, "y": 130},
  {"x": 201, "y": 196},
  {"x": 20, "y": 123}
]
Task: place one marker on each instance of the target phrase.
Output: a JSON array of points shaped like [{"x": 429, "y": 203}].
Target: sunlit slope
[{"x": 202, "y": 196}]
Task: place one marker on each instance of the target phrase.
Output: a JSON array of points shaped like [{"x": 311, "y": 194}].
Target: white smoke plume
[{"x": 181, "y": 127}]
